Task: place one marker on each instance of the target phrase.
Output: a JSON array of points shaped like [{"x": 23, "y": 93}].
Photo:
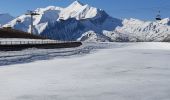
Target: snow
[
  {"x": 120, "y": 71},
  {"x": 47, "y": 15},
  {"x": 165, "y": 21},
  {"x": 138, "y": 30},
  {"x": 91, "y": 36},
  {"x": 79, "y": 11}
]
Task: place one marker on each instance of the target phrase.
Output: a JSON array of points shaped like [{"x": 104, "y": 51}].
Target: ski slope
[{"x": 109, "y": 71}]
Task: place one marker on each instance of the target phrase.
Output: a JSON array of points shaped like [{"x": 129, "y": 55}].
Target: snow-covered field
[{"x": 111, "y": 71}]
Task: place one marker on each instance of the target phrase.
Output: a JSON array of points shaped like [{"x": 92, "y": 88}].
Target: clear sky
[{"x": 142, "y": 9}]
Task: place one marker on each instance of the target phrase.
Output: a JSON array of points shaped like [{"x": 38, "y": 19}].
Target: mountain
[
  {"x": 91, "y": 36},
  {"x": 5, "y": 18},
  {"x": 47, "y": 15},
  {"x": 68, "y": 23},
  {"x": 80, "y": 11},
  {"x": 82, "y": 22},
  {"x": 137, "y": 30}
]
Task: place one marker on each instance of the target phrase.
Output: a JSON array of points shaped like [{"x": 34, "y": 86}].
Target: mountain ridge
[{"x": 78, "y": 20}]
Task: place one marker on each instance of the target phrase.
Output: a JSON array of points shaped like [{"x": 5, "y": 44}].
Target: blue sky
[{"x": 142, "y": 9}]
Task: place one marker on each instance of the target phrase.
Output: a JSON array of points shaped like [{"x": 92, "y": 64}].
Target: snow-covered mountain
[
  {"x": 134, "y": 30},
  {"x": 47, "y": 15},
  {"x": 80, "y": 11},
  {"x": 68, "y": 23},
  {"x": 82, "y": 22},
  {"x": 91, "y": 36},
  {"x": 5, "y": 18},
  {"x": 137, "y": 30}
]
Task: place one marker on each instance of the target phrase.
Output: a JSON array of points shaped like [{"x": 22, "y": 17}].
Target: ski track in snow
[{"x": 33, "y": 54}]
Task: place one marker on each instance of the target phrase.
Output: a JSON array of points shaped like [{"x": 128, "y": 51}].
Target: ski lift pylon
[{"x": 32, "y": 13}]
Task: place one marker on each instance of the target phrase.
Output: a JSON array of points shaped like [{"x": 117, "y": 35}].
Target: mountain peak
[
  {"x": 79, "y": 11},
  {"x": 42, "y": 10},
  {"x": 77, "y": 3}
]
